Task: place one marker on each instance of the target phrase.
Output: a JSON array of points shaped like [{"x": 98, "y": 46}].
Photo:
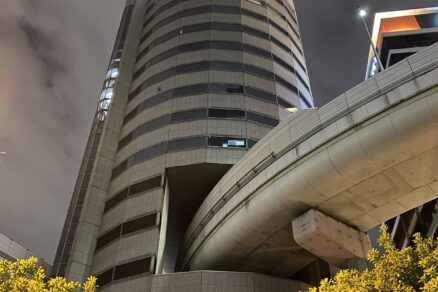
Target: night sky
[{"x": 54, "y": 54}]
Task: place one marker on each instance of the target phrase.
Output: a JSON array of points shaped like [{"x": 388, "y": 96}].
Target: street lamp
[{"x": 362, "y": 13}]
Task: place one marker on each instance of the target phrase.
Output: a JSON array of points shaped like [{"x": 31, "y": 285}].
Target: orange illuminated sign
[{"x": 403, "y": 23}]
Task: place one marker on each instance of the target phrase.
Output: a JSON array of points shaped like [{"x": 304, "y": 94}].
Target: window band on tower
[{"x": 196, "y": 114}]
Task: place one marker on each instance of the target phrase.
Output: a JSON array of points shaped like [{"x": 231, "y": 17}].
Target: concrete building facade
[{"x": 190, "y": 87}]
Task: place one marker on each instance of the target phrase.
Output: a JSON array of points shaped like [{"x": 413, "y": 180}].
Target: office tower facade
[
  {"x": 190, "y": 87},
  {"x": 397, "y": 35}
]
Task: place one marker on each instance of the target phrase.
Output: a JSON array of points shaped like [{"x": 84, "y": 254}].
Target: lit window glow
[
  {"x": 233, "y": 143},
  {"x": 256, "y": 2},
  {"x": 107, "y": 93},
  {"x": 112, "y": 73},
  {"x": 292, "y": 109}
]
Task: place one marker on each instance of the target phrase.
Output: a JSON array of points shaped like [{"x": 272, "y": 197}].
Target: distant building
[
  {"x": 10, "y": 250},
  {"x": 397, "y": 35}
]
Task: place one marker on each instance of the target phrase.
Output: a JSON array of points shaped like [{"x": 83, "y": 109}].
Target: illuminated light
[
  {"x": 255, "y": 2},
  {"x": 292, "y": 109},
  {"x": 362, "y": 13},
  {"x": 112, "y": 73}
]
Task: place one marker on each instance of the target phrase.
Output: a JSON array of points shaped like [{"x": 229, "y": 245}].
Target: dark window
[
  {"x": 119, "y": 169},
  {"x": 304, "y": 83},
  {"x": 217, "y": 65},
  {"x": 225, "y": 45},
  {"x": 259, "y": 71},
  {"x": 300, "y": 64},
  {"x": 251, "y": 143},
  {"x": 93, "y": 151},
  {"x": 195, "y": 142},
  {"x": 150, "y": 152},
  {"x": 130, "y": 162},
  {"x": 130, "y": 116},
  {"x": 160, "y": 77},
  {"x": 193, "y": 47},
  {"x": 303, "y": 98},
  {"x": 217, "y": 9},
  {"x": 189, "y": 115},
  {"x": 105, "y": 277},
  {"x": 283, "y": 63},
  {"x": 85, "y": 181},
  {"x": 134, "y": 93},
  {"x": 62, "y": 269},
  {"x": 81, "y": 196},
  {"x": 157, "y": 99},
  {"x": 164, "y": 56},
  {"x": 139, "y": 224},
  {"x": 226, "y": 113},
  {"x": 163, "y": 38},
  {"x": 286, "y": 84},
  {"x": 256, "y": 51},
  {"x": 223, "y": 26},
  {"x": 113, "y": 201},
  {"x": 262, "y": 119},
  {"x": 193, "y": 67},
  {"x": 284, "y": 103},
  {"x": 278, "y": 27},
  {"x": 125, "y": 141},
  {"x": 194, "y": 28},
  {"x": 108, "y": 237},
  {"x": 188, "y": 90},
  {"x": 255, "y": 32},
  {"x": 261, "y": 94},
  {"x": 227, "y": 142},
  {"x": 139, "y": 72},
  {"x": 153, "y": 125},
  {"x": 225, "y": 9},
  {"x": 254, "y": 15},
  {"x": 145, "y": 185},
  {"x": 77, "y": 213},
  {"x": 280, "y": 44},
  {"x": 132, "y": 268},
  {"x": 234, "y": 89}
]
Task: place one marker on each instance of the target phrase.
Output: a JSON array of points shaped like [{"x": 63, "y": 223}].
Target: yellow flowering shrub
[
  {"x": 413, "y": 268},
  {"x": 26, "y": 276}
]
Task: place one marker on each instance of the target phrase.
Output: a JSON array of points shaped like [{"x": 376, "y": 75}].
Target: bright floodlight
[{"x": 362, "y": 13}]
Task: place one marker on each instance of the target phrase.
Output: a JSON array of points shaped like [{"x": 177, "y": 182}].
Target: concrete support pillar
[{"x": 329, "y": 239}]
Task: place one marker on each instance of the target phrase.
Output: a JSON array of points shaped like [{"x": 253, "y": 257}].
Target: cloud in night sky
[{"x": 54, "y": 54}]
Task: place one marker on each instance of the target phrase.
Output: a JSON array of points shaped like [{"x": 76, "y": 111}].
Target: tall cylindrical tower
[{"x": 191, "y": 86}]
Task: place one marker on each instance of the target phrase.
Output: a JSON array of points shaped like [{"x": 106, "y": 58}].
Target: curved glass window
[
  {"x": 219, "y": 26},
  {"x": 192, "y": 115},
  {"x": 227, "y": 142},
  {"x": 178, "y": 145},
  {"x": 112, "y": 73},
  {"x": 207, "y": 88},
  {"x": 107, "y": 93}
]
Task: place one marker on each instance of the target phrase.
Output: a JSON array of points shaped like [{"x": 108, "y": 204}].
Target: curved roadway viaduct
[{"x": 365, "y": 157}]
